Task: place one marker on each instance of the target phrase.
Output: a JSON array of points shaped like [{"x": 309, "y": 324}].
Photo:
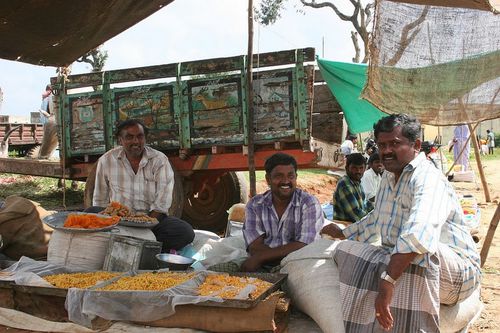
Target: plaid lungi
[{"x": 415, "y": 304}]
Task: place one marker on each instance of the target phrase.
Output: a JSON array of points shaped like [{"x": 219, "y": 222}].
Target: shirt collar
[
  {"x": 268, "y": 198},
  {"x": 121, "y": 154},
  {"x": 417, "y": 161}
]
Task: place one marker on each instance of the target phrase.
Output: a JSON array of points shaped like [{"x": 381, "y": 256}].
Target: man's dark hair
[
  {"x": 352, "y": 137},
  {"x": 355, "y": 159},
  {"x": 373, "y": 157},
  {"x": 487, "y": 131},
  {"x": 128, "y": 123},
  {"x": 279, "y": 159},
  {"x": 410, "y": 126}
]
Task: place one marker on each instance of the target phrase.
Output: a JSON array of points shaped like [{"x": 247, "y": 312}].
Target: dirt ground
[{"x": 323, "y": 185}]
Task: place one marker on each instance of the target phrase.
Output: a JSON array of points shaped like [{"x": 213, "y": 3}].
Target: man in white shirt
[
  {"x": 372, "y": 177},
  {"x": 349, "y": 145}
]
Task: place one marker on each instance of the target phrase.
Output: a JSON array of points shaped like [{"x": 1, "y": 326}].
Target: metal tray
[
  {"x": 276, "y": 279},
  {"x": 128, "y": 223},
  {"x": 56, "y": 221}
]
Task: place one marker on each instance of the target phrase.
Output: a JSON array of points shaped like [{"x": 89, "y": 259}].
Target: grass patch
[{"x": 42, "y": 190}]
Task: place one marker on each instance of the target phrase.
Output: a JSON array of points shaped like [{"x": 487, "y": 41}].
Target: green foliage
[
  {"x": 42, "y": 190},
  {"x": 269, "y": 11}
]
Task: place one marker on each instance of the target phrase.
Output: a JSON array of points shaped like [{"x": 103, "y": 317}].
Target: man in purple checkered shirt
[{"x": 281, "y": 220}]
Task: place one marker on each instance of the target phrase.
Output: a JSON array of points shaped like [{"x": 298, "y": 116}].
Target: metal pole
[{"x": 251, "y": 129}]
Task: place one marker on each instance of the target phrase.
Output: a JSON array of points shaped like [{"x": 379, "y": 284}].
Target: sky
[{"x": 190, "y": 30}]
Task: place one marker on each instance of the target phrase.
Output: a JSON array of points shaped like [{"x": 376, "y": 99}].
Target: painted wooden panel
[
  {"x": 153, "y": 105},
  {"x": 87, "y": 124},
  {"x": 273, "y": 102},
  {"x": 215, "y": 110}
]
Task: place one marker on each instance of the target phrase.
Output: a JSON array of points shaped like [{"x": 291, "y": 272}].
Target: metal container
[
  {"x": 174, "y": 262},
  {"x": 128, "y": 253}
]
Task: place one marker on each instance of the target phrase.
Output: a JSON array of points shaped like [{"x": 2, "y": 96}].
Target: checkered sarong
[{"x": 417, "y": 294}]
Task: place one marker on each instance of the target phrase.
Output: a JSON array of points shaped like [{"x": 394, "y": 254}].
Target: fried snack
[
  {"x": 149, "y": 281},
  {"x": 78, "y": 280},
  {"x": 227, "y": 286},
  {"x": 117, "y": 209},
  {"x": 89, "y": 221}
]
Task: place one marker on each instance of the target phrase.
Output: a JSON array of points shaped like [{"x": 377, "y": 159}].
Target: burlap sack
[{"x": 22, "y": 230}]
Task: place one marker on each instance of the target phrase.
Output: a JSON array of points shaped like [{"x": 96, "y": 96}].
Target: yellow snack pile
[
  {"x": 227, "y": 286},
  {"x": 78, "y": 280},
  {"x": 149, "y": 281}
]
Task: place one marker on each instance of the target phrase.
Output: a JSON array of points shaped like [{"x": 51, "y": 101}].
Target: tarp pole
[
  {"x": 489, "y": 235},
  {"x": 479, "y": 163},
  {"x": 251, "y": 153}
]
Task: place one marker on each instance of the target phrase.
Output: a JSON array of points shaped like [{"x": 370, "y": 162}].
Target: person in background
[
  {"x": 141, "y": 178},
  {"x": 372, "y": 177},
  {"x": 349, "y": 200},
  {"x": 460, "y": 136},
  {"x": 370, "y": 148},
  {"x": 281, "y": 220},
  {"x": 349, "y": 145},
  {"x": 46, "y": 107},
  {"x": 426, "y": 255},
  {"x": 490, "y": 140}
]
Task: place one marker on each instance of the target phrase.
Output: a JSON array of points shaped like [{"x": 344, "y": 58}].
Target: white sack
[{"x": 313, "y": 284}]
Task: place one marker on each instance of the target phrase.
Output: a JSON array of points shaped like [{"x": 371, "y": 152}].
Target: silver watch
[{"x": 387, "y": 277}]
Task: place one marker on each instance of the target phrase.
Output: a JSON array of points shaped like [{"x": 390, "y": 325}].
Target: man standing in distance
[
  {"x": 427, "y": 256},
  {"x": 141, "y": 178},
  {"x": 372, "y": 177},
  {"x": 281, "y": 220}
]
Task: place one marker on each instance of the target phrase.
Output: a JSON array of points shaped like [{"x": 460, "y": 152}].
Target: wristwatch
[{"x": 387, "y": 277}]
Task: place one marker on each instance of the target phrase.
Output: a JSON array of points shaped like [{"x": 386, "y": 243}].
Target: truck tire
[
  {"x": 177, "y": 200},
  {"x": 208, "y": 210}
]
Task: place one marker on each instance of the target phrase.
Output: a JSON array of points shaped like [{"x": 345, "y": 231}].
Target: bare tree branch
[
  {"x": 341, "y": 15},
  {"x": 354, "y": 37},
  {"x": 407, "y": 36}
]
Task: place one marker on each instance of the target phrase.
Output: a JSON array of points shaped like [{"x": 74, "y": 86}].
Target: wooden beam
[
  {"x": 479, "y": 163},
  {"x": 489, "y": 235}
]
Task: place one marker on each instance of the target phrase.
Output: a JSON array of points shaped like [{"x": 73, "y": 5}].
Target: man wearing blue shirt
[{"x": 427, "y": 255}]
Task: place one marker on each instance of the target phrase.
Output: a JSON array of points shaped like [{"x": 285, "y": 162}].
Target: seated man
[
  {"x": 141, "y": 178},
  {"x": 281, "y": 220},
  {"x": 427, "y": 255},
  {"x": 372, "y": 177},
  {"x": 349, "y": 202}
]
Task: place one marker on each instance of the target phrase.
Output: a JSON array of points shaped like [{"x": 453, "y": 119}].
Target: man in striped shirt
[
  {"x": 281, "y": 220},
  {"x": 427, "y": 255},
  {"x": 349, "y": 199},
  {"x": 141, "y": 178}
]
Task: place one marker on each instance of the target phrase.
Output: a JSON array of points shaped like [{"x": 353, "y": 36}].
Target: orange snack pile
[
  {"x": 227, "y": 286},
  {"x": 89, "y": 221}
]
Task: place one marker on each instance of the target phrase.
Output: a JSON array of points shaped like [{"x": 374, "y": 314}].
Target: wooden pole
[
  {"x": 250, "y": 116},
  {"x": 489, "y": 235},
  {"x": 479, "y": 163}
]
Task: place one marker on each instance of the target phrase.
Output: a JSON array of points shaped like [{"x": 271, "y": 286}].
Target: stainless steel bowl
[{"x": 173, "y": 261}]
